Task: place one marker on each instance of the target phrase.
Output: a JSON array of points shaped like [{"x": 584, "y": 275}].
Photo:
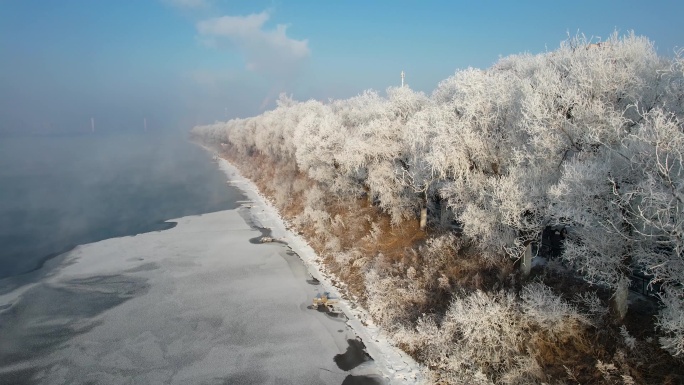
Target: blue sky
[{"x": 183, "y": 62}]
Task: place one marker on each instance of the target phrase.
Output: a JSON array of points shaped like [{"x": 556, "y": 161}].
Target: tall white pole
[{"x": 402, "y": 79}]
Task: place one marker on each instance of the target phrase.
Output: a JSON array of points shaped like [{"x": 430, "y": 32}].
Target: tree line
[{"x": 588, "y": 137}]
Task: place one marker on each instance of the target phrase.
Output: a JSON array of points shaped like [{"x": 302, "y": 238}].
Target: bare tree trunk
[
  {"x": 526, "y": 265},
  {"x": 619, "y": 300},
  {"x": 423, "y": 218}
]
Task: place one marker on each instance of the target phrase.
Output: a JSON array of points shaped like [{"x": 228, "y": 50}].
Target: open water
[{"x": 61, "y": 191}]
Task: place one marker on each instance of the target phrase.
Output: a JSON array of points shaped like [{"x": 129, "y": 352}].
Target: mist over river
[{"x": 60, "y": 191}]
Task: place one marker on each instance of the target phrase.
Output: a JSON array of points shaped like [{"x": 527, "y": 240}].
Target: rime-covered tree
[{"x": 588, "y": 136}]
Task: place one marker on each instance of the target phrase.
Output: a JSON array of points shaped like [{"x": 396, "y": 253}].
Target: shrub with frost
[
  {"x": 551, "y": 314},
  {"x": 485, "y": 331},
  {"x": 394, "y": 299},
  {"x": 594, "y": 309},
  {"x": 317, "y": 219},
  {"x": 438, "y": 255},
  {"x": 671, "y": 322}
]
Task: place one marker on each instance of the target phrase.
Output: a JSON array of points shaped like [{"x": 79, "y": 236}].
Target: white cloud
[{"x": 269, "y": 52}]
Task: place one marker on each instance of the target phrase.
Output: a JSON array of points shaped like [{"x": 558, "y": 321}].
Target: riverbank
[{"x": 395, "y": 365}]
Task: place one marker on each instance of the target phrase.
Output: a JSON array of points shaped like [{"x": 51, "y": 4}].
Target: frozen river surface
[{"x": 195, "y": 304}]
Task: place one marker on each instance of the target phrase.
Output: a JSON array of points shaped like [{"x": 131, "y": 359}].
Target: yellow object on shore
[{"x": 324, "y": 299}]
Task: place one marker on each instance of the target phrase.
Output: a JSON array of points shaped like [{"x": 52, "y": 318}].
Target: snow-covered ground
[{"x": 195, "y": 304}]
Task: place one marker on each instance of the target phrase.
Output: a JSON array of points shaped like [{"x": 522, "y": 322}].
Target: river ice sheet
[{"x": 195, "y": 304}]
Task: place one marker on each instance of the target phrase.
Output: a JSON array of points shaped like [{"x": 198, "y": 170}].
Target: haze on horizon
[{"x": 178, "y": 63}]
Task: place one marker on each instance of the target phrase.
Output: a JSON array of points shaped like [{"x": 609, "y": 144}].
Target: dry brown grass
[
  {"x": 390, "y": 243},
  {"x": 570, "y": 357}
]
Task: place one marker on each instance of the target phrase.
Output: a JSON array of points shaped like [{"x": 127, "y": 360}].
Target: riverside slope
[{"x": 395, "y": 365}]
